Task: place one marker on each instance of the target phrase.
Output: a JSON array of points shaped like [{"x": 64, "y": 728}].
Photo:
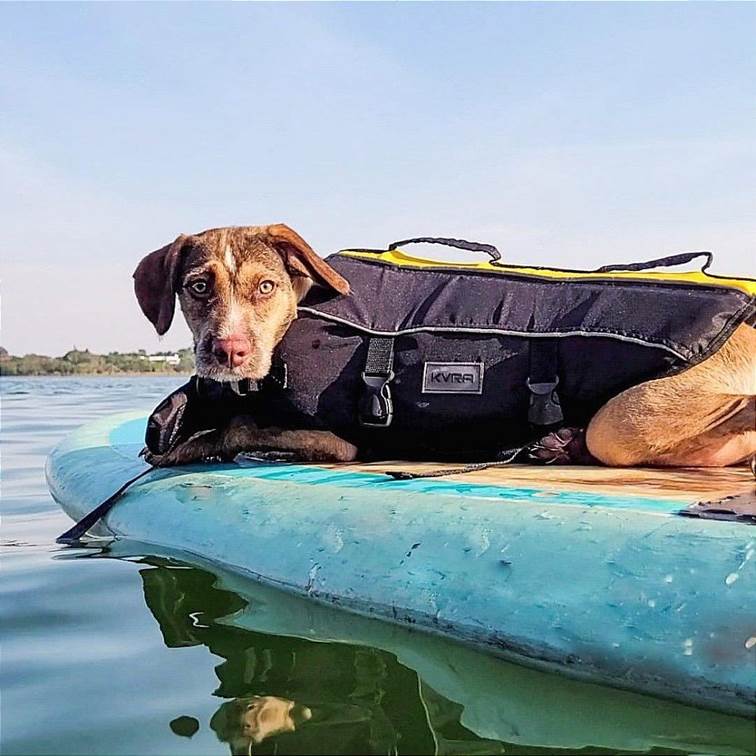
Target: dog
[{"x": 238, "y": 288}]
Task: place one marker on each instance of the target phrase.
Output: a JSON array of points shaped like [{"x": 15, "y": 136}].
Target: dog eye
[
  {"x": 266, "y": 287},
  {"x": 199, "y": 287}
]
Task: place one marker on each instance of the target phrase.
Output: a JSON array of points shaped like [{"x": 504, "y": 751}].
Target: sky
[{"x": 566, "y": 134}]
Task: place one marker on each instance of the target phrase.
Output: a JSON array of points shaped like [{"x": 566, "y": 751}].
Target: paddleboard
[{"x": 588, "y": 572}]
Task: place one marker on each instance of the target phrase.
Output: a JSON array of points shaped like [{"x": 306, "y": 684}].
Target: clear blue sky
[{"x": 570, "y": 134}]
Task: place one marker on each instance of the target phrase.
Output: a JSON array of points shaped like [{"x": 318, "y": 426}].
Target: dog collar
[{"x": 276, "y": 378}]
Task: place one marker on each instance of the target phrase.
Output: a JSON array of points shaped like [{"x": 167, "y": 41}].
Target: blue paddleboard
[{"x": 603, "y": 585}]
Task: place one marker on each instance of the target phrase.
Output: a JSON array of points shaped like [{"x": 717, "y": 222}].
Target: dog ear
[
  {"x": 155, "y": 282},
  {"x": 301, "y": 260}
]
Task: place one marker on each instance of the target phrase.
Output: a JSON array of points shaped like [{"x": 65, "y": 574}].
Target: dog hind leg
[{"x": 703, "y": 416}]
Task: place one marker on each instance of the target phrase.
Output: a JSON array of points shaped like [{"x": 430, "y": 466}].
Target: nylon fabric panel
[
  {"x": 686, "y": 320},
  {"x": 326, "y": 361},
  {"x": 689, "y": 278}
]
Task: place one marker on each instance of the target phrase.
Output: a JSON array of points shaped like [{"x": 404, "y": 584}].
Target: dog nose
[{"x": 232, "y": 351}]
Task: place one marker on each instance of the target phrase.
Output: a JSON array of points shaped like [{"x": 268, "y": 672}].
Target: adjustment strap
[
  {"x": 544, "y": 407},
  {"x": 376, "y": 408}
]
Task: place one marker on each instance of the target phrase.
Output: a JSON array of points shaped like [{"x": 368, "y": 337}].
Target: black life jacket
[{"x": 428, "y": 358}]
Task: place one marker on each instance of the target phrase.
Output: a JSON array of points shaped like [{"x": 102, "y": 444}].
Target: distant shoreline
[
  {"x": 115, "y": 374},
  {"x": 83, "y": 362}
]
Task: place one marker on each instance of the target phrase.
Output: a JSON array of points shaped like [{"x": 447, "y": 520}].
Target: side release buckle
[
  {"x": 544, "y": 407},
  {"x": 376, "y": 405}
]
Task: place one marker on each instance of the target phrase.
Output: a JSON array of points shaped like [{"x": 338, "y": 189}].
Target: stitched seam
[
  {"x": 683, "y": 355},
  {"x": 680, "y": 350}
]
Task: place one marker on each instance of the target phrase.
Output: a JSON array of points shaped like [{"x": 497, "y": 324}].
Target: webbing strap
[
  {"x": 544, "y": 407},
  {"x": 73, "y": 535},
  {"x": 380, "y": 356},
  {"x": 376, "y": 407}
]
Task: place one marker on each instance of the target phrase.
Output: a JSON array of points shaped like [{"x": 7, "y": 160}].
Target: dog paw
[
  {"x": 150, "y": 458},
  {"x": 565, "y": 446},
  {"x": 158, "y": 460},
  {"x": 181, "y": 455}
]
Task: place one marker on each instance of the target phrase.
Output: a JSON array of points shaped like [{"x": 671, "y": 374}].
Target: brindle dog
[{"x": 239, "y": 287}]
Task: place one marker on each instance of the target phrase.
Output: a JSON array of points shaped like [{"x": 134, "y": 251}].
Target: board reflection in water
[
  {"x": 288, "y": 695},
  {"x": 297, "y": 677}
]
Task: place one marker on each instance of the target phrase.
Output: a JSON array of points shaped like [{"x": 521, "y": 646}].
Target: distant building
[{"x": 168, "y": 359}]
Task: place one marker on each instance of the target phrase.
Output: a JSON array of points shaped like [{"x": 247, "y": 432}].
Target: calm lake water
[{"x": 113, "y": 650}]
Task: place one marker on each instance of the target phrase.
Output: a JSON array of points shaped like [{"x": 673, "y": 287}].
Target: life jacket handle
[
  {"x": 489, "y": 249},
  {"x": 661, "y": 262}
]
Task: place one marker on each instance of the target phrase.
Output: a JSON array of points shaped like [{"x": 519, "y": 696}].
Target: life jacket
[{"x": 427, "y": 358}]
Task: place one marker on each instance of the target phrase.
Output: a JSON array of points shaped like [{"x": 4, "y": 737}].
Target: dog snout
[{"x": 232, "y": 351}]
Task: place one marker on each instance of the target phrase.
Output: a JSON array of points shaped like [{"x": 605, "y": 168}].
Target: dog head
[{"x": 238, "y": 288}]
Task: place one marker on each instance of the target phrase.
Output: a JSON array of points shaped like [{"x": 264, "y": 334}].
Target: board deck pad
[{"x": 685, "y": 486}]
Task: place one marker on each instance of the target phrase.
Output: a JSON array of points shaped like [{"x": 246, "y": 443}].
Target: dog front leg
[
  {"x": 242, "y": 435},
  {"x": 198, "y": 448}
]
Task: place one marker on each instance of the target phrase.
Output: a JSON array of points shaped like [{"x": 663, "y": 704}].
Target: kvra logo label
[{"x": 453, "y": 378}]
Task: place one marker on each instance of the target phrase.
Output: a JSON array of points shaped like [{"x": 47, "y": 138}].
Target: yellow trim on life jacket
[{"x": 402, "y": 259}]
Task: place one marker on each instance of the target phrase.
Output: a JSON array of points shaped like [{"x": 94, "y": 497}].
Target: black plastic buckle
[
  {"x": 544, "y": 407},
  {"x": 244, "y": 386},
  {"x": 376, "y": 406}
]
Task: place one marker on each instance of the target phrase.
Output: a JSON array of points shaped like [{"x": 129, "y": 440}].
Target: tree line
[{"x": 84, "y": 362}]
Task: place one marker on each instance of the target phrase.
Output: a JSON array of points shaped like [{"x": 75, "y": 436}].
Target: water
[{"x": 118, "y": 650}]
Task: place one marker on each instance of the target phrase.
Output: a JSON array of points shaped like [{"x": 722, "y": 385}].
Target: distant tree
[{"x": 186, "y": 361}]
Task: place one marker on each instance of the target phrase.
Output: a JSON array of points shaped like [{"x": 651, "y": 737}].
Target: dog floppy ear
[
  {"x": 155, "y": 282},
  {"x": 302, "y": 260}
]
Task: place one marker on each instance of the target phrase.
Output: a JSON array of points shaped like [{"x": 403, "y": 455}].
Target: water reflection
[
  {"x": 290, "y": 695},
  {"x": 290, "y": 684},
  {"x": 245, "y": 722}
]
